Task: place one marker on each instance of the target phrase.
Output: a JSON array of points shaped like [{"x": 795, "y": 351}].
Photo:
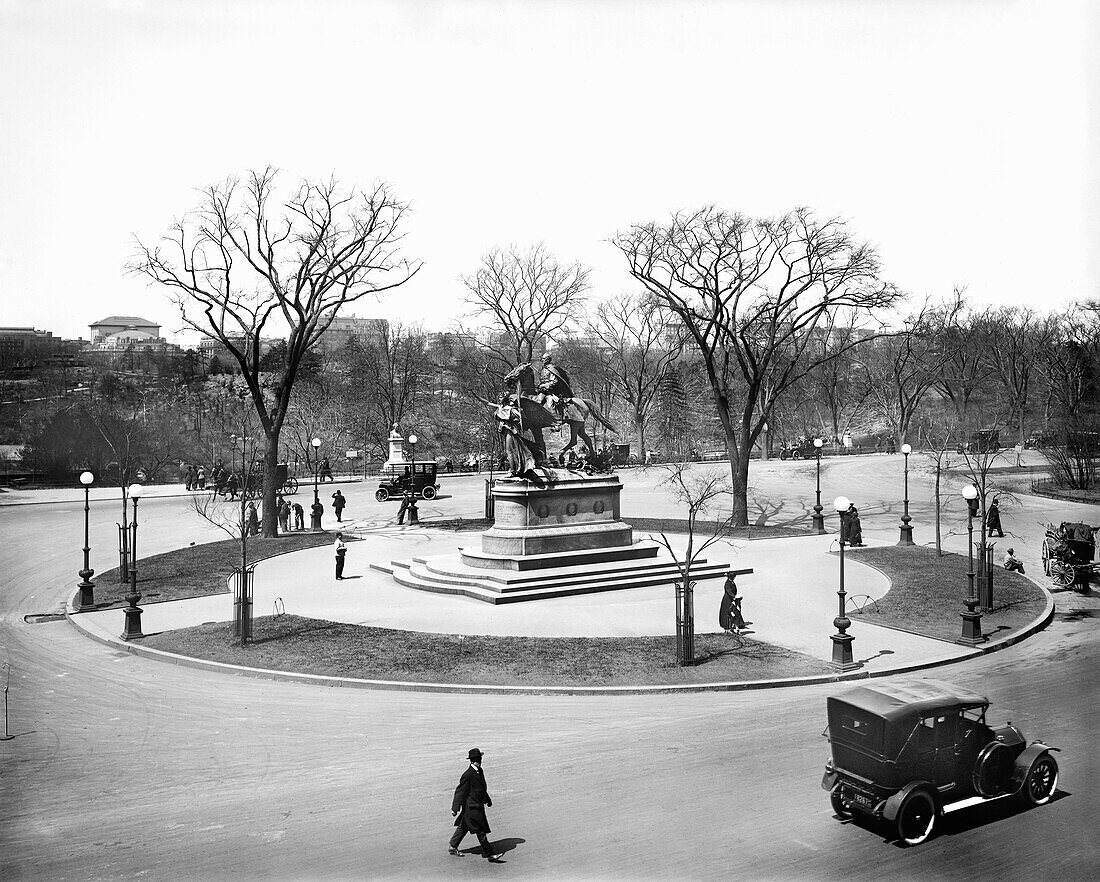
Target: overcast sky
[{"x": 961, "y": 138}]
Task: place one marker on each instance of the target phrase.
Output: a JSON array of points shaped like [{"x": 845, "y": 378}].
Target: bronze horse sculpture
[{"x": 574, "y": 411}]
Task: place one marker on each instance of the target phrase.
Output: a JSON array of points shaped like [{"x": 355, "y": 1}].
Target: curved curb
[{"x": 472, "y": 688}]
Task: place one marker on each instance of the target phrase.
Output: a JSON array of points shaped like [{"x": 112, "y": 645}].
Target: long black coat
[{"x": 471, "y": 797}]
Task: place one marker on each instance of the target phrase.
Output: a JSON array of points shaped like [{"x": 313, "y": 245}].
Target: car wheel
[
  {"x": 1041, "y": 780},
  {"x": 917, "y": 817},
  {"x": 428, "y": 492},
  {"x": 381, "y": 494},
  {"x": 839, "y": 808}
]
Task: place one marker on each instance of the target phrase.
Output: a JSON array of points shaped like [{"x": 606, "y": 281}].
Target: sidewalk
[{"x": 789, "y": 601}]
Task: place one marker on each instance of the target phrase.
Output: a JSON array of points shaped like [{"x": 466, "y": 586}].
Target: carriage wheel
[
  {"x": 1048, "y": 546},
  {"x": 1062, "y": 573},
  {"x": 291, "y": 486}
]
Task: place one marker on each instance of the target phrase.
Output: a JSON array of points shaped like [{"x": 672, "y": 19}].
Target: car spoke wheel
[
  {"x": 839, "y": 808},
  {"x": 428, "y": 492},
  {"x": 916, "y": 817},
  {"x": 381, "y": 494},
  {"x": 1041, "y": 781}
]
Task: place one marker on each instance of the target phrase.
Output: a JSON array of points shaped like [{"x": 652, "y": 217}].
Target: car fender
[
  {"x": 893, "y": 804},
  {"x": 829, "y": 779},
  {"x": 1025, "y": 759}
]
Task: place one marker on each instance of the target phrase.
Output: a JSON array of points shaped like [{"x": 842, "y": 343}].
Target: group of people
[
  {"x": 221, "y": 480},
  {"x": 284, "y": 511}
]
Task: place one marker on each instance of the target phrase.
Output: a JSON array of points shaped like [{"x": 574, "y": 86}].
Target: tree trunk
[{"x": 270, "y": 514}]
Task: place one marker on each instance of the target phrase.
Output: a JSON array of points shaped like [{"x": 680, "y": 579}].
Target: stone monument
[{"x": 557, "y": 531}]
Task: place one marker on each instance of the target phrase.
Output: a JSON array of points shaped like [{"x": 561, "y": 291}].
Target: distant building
[
  {"x": 118, "y": 331},
  {"x": 344, "y": 328},
  {"x": 27, "y": 348}
]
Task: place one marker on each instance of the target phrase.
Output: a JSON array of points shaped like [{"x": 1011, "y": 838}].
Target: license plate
[{"x": 861, "y": 799}]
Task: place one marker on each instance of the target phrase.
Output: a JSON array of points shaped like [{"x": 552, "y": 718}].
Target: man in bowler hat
[{"x": 468, "y": 807}]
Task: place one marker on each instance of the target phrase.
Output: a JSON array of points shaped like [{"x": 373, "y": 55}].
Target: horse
[{"x": 576, "y": 411}]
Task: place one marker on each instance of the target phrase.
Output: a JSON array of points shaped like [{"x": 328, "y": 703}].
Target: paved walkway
[{"x": 790, "y": 600}]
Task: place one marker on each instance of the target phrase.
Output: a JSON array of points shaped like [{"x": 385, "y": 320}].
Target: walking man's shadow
[{"x": 500, "y": 846}]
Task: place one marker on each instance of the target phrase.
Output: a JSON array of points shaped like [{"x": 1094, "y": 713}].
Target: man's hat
[{"x": 474, "y": 754}]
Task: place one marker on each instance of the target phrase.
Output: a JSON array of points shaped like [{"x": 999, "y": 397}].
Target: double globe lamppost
[
  {"x": 86, "y": 585},
  {"x": 906, "y": 537},
  {"x": 818, "y": 517},
  {"x": 132, "y": 626},
  {"x": 972, "y": 618},
  {"x": 842, "y": 640}
]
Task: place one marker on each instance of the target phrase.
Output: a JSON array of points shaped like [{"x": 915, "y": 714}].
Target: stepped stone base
[{"x": 555, "y": 536}]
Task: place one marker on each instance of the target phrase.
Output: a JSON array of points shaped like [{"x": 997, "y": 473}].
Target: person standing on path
[
  {"x": 252, "y": 520},
  {"x": 338, "y": 503},
  {"x": 468, "y": 808},
  {"x": 993, "y": 519},
  {"x": 326, "y": 469},
  {"x": 299, "y": 516},
  {"x": 729, "y": 610},
  {"x": 341, "y": 552},
  {"x": 283, "y": 509}
]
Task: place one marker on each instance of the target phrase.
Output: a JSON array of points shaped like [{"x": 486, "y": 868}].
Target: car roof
[{"x": 908, "y": 700}]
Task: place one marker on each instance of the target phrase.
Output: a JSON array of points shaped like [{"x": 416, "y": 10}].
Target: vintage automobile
[
  {"x": 392, "y": 479},
  {"x": 906, "y": 752}
]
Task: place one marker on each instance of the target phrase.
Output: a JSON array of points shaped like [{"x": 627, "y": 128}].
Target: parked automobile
[
  {"x": 391, "y": 482},
  {"x": 906, "y": 752},
  {"x": 982, "y": 441}
]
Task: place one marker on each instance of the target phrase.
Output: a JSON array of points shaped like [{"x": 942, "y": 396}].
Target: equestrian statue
[{"x": 527, "y": 407}]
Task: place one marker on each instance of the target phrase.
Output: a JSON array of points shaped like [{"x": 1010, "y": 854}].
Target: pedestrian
[
  {"x": 468, "y": 808},
  {"x": 729, "y": 610},
  {"x": 191, "y": 477},
  {"x": 1013, "y": 563},
  {"x": 338, "y": 503},
  {"x": 855, "y": 528},
  {"x": 993, "y": 519},
  {"x": 326, "y": 469},
  {"x": 284, "y": 515},
  {"x": 252, "y": 520},
  {"x": 201, "y": 478},
  {"x": 408, "y": 502},
  {"x": 891, "y": 446},
  {"x": 232, "y": 486},
  {"x": 1019, "y": 448},
  {"x": 341, "y": 552},
  {"x": 299, "y": 517}
]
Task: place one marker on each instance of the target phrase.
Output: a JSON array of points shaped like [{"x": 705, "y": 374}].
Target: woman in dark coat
[
  {"x": 855, "y": 528},
  {"x": 729, "y": 610}
]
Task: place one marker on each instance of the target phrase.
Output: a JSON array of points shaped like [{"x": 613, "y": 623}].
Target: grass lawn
[
  {"x": 927, "y": 593},
  {"x": 199, "y": 570},
  {"x": 926, "y": 597}
]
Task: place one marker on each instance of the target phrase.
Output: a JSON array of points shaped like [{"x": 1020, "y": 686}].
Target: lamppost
[
  {"x": 132, "y": 627},
  {"x": 412, "y": 449},
  {"x": 906, "y": 530},
  {"x": 842, "y": 641},
  {"x": 819, "y": 518},
  {"x": 317, "y": 509},
  {"x": 86, "y": 584},
  {"x": 242, "y": 600},
  {"x": 972, "y": 618}
]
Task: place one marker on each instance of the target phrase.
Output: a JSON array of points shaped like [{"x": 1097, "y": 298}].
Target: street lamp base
[
  {"x": 315, "y": 523},
  {"x": 906, "y": 537},
  {"x": 819, "y": 524},
  {"x": 87, "y": 597},
  {"x": 842, "y": 654},
  {"x": 131, "y": 630},
  {"x": 971, "y": 629}
]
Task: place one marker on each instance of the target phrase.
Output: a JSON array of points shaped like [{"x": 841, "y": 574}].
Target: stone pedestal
[{"x": 556, "y": 535}]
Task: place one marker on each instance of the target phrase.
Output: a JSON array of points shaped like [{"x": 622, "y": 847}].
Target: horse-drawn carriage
[
  {"x": 1069, "y": 554},
  {"x": 252, "y": 484}
]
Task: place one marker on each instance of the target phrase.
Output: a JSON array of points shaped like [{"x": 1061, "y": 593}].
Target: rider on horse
[{"x": 554, "y": 386}]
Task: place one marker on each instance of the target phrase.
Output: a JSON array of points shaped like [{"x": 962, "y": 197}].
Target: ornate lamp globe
[
  {"x": 86, "y": 478},
  {"x": 818, "y": 443},
  {"x": 135, "y": 491},
  {"x": 316, "y": 442},
  {"x": 906, "y": 449},
  {"x": 842, "y": 504}
]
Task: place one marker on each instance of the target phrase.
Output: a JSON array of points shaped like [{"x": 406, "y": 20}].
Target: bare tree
[
  {"x": 902, "y": 368},
  {"x": 751, "y": 295},
  {"x": 242, "y": 265},
  {"x": 640, "y": 345},
  {"x": 698, "y": 493},
  {"x": 529, "y": 297},
  {"x": 1019, "y": 339}
]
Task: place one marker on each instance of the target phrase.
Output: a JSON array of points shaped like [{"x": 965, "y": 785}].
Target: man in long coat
[{"x": 468, "y": 807}]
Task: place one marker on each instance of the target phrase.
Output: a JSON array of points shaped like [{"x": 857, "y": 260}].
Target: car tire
[
  {"x": 839, "y": 808},
  {"x": 381, "y": 494},
  {"x": 428, "y": 492},
  {"x": 1041, "y": 781},
  {"x": 917, "y": 817}
]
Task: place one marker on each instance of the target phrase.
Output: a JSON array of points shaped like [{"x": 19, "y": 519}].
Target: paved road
[{"x": 122, "y": 767}]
